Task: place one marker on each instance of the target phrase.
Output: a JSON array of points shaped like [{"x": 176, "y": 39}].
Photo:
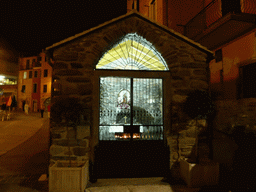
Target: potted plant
[
  {"x": 68, "y": 175},
  {"x": 198, "y": 106}
]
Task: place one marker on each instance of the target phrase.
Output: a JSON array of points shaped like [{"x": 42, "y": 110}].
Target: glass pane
[
  {"x": 115, "y": 101},
  {"x": 132, "y": 52},
  {"x": 115, "y": 108},
  {"x": 147, "y": 102}
]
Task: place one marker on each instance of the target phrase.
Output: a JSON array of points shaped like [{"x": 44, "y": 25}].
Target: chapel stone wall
[{"x": 73, "y": 75}]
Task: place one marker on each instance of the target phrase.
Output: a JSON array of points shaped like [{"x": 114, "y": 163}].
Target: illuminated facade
[
  {"x": 8, "y": 70},
  {"x": 226, "y": 27},
  {"x": 132, "y": 74},
  {"x": 102, "y": 67},
  {"x": 34, "y": 85}
]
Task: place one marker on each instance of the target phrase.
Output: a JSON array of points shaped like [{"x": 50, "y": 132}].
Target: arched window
[{"x": 133, "y": 52}]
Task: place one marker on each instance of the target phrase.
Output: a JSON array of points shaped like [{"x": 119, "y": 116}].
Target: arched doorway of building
[{"x": 131, "y": 102}]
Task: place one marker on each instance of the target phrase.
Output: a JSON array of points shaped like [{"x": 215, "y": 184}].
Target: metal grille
[{"x": 121, "y": 97}]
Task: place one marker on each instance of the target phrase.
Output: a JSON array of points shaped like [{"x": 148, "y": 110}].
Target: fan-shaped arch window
[{"x": 132, "y": 52}]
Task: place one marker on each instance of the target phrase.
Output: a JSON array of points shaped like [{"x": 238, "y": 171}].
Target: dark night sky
[{"x": 32, "y": 25}]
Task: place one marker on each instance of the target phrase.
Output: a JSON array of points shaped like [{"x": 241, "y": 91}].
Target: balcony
[{"x": 219, "y": 23}]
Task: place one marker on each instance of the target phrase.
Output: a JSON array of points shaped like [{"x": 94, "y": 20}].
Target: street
[{"x": 22, "y": 165}]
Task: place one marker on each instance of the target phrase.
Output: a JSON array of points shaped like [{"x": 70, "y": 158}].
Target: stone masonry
[{"x": 74, "y": 62}]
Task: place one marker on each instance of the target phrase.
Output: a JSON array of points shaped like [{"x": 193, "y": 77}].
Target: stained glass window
[
  {"x": 131, "y": 102},
  {"x": 133, "y": 52}
]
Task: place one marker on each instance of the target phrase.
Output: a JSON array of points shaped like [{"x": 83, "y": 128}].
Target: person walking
[
  {"x": 42, "y": 111},
  {"x": 26, "y": 108}
]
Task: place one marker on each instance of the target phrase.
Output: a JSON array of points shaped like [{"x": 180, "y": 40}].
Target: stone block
[
  {"x": 76, "y": 65},
  {"x": 173, "y": 62},
  {"x": 175, "y": 155},
  {"x": 70, "y": 72},
  {"x": 71, "y": 133},
  {"x": 177, "y": 83},
  {"x": 83, "y": 131},
  {"x": 199, "y": 77},
  {"x": 63, "y": 158},
  {"x": 185, "y": 153},
  {"x": 88, "y": 43},
  {"x": 65, "y": 142},
  {"x": 183, "y": 92},
  {"x": 68, "y": 153},
  {"x": 70, "y": 90},
  {"x": 60, "y": 65},
  {"x": 84, "y": 89},
  {"x": 193, "y": 65},
  {"x": 63, "y": 134},
  {"x": 199, "y": 57},
  {"x": 66, "y": 56},
  {"x": 174, "y": 77},
  {"x": 80, "y": 151},
  {"x": 83, "y": 158},
  {"x": 198, "y": 84},
  {"x": 87, "y": 99},
  {"x": 200, "y": 72},
  {"x": 183, "y": 72},
  {"x": 78, "y": 80},
  {"x": 56, "y": 136},
  {"x": 185, "y": 58},
  {"x": 187, "y": 141},
  {"x": 56, "y": 150},
  {"x": 179, "y": 98},
  {"x": 83, "y": 142},
  {"x": 191, "y": 132}
]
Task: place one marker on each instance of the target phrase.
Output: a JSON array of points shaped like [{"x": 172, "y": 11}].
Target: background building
[
  {"x": 228, "y": 28},
  {"x": 34, "y": 85},
  {"x": 8, "y": 70}
]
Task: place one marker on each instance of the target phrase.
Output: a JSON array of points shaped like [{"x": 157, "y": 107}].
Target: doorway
[{"x": 131, "y": 141}]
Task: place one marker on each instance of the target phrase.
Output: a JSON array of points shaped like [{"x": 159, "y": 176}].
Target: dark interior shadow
[{"x": 244, "y": 170}]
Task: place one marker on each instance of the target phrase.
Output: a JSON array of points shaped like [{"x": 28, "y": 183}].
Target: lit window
[
  {"x": 45, "y": 88},
  {"x": 133, "y": 52},
  {"x": 25, "y": 75}
]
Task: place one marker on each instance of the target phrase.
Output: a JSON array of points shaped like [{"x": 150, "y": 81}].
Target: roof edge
[{"x": 133, "y": 12}]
